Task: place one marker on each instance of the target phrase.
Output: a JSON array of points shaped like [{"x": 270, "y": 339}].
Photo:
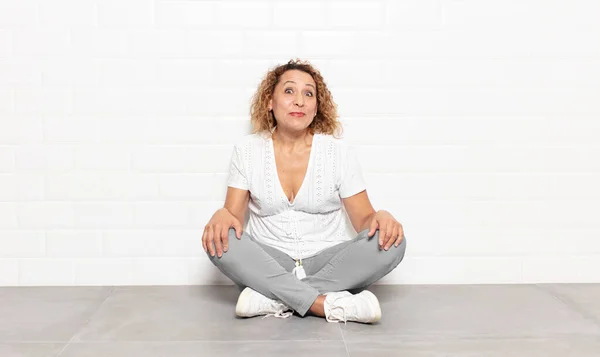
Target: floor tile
[
  {"x": 584, "y": 297},
  {"x": 30, "y": 349},
  {"x": 469, "y": 310},
  {"x": 46, "y": 314},
  {"x": 192, "y": 313},
  {"x": 539, "y": 347},
  {"x": 199, "y": 349}
]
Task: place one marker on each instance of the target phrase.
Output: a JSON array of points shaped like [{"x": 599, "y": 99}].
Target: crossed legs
[{"x": 350, "y": 265}]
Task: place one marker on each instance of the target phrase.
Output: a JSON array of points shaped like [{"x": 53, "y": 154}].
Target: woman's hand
[
  {"x": 390, "y": 230},
  {"x": 216, "y": 232}
]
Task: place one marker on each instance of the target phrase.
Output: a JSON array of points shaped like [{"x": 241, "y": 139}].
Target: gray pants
[{"x": 351, "y": 265}]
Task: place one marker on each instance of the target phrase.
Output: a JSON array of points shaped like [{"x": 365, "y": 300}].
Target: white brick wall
[{"x": 476, "y": 123}]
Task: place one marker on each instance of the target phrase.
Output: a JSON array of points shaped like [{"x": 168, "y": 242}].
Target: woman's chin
[{"x": 295, "y": 127}]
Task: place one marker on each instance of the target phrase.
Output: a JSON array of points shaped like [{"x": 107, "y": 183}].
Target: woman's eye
[
  {"x": 309, "y": 94},
  {"x": 289, "y": 90}
]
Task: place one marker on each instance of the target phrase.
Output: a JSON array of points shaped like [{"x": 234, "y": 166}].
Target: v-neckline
[{"x": 308, "y": 166}]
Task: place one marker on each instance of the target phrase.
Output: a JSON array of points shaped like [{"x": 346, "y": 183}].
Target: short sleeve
[
  {"x": 237, "y": 174},
  {"x": 352, "y": 181}
]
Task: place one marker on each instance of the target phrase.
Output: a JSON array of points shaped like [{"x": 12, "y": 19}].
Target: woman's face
[{"x": 294, "y": 101}]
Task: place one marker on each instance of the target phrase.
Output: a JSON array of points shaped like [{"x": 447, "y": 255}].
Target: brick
[
  {"x": 80, "y": 13},
  {"x": 157, "y": 42},
  {"x": 101, "y": 187},
  {"x": 456, "y": 270},
  {"x": 8, "y": 215},
  {"x": 5, "y": 43},
  {"x": 9, "y": 272},
  {"x": 248, "y": 14},
  {"x": 102, "y": 157},
  {"x": 20, "y": 72},
  {"x": 152, "y": 243},
  {"x": 527, "y": 163},
  {"x": 22, "y": 244},
  {"x": 67, "y": 71},
  {"x": 195, "y": 73},
  {"x": 554, "y": 269},
  {"x": 37, "y": 158},
  {"x": 21, "y": 187},
  {"x": 45, "y": 272},
  {"x": 34, "y": 41},
  {"x": 45, "y": 215},
  {"x": 202, "y": 272},
  {"x": 356, "y": 14},
  {"x": 125, "y": 14},
  {"x": 103, "y": 272},
  {"x": 344, "y": 44},
  {"x": 208, "y": 159},
  {"x": 494, "y": 130},
  {"x": 162, "y": 214},
  {"x": 312, "y": 14},
  {"x": 124, "y": 130},
  {"x": 196, "y": 186},
  {"x": 162, "y": 271},
  {"x": 18, "y": 14},
  {"x": 101, "y": 43},
  {"x": 268, "y": 43},
  {"x": 130, "y": 101},
  {"x": 73, "y": 243},
  {"x": 185, "y": 13},
  {"x": 7, "y": 159},
  {"x": 20, "y": 130},
  {"x": 43, "y": 100},
  {"x": 213, "y": 43},
  {"x": 103, "y": 214},
  {"x": 415, "y": 14},
  {"x": 7, "y": 101}
]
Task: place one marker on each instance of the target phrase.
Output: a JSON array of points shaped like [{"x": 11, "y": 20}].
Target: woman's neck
[{"x": 291, "y": 141}]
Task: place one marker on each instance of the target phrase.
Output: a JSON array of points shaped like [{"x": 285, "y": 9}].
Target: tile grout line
[
  {"x": 344, "y": 340},
  {"x": 110, "y": 291},
  {"x": 571, "y": 305},
  {"x": 171, "y": 341}
]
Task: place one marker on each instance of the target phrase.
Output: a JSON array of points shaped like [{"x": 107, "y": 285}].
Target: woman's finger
[
  {"x": 225, "y": 238},
  {"x": 210, "y": 240},
  {"x": 400, "y": 237},
  {"x": 383, "y": 234},
  {"x": 218, "y": 245},
  {"x": 393, "y": 237},
  {"x": 204, "y": 240}
]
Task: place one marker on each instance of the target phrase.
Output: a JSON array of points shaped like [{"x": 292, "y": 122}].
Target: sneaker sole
[
  {"x": 374, "y": 304},
  {"x": 241, "y": 305}
]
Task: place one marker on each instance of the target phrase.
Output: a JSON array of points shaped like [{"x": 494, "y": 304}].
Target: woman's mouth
[{"x": 297, "y": 114}]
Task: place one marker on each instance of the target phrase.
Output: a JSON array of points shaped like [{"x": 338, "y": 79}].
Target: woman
[{"x": 294, "y": 174}]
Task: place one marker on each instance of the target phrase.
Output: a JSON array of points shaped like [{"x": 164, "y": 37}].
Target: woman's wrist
[{"x": 367, "y": 221}]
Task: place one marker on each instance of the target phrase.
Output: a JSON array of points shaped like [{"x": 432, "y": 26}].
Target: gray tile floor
[{"x": 418, "y": 320}]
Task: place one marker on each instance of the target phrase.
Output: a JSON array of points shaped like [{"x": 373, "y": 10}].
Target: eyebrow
[{"x": 296, "y": 83}]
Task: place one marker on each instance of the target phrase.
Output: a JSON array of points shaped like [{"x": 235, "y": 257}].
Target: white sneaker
[
  {"x": 252, "y": 303},
  {"x": 343, "y": 306}
]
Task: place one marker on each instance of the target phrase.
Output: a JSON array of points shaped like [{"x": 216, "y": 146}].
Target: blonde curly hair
[{"x": 325, "y": 122}]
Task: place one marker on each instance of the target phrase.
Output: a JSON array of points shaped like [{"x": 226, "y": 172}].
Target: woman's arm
[
  {"x": 363, "y": 216},
  {"x": 236, "y": 202},
  {"x": 360, "y": 211}
]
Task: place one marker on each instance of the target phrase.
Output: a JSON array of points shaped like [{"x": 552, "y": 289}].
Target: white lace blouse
[{"x": 315, "y": 220}]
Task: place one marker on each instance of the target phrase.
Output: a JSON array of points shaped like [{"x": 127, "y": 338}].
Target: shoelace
[
  {"x": 337, "y": 307},
  {"x": 344, "y": 318},
  {"x": 280, "y": 314}
]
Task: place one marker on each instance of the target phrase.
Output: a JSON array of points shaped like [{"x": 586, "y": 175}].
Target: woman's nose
[{"x": 300, "y": 101}]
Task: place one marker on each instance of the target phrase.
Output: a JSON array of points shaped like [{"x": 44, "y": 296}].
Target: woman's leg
[
  {"x": 352, "y": 265},
  {"x": 248, "y": 263}
]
